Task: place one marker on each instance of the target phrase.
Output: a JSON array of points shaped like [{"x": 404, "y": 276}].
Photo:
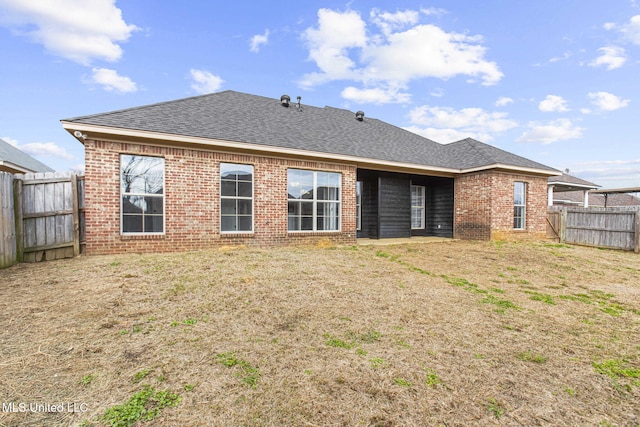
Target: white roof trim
[
  {"x": 72, "y": 126},
  {"x": 14, "y": 166},
  {"x": 573, "y": 184}
]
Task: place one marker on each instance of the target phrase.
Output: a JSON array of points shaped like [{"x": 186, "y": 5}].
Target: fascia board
[{"x": 208, "y": 142}]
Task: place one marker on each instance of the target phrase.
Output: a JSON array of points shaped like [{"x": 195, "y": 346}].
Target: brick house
[{"x": 231, "y": 168}]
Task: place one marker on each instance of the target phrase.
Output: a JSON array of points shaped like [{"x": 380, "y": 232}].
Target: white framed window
[
  {"x": 141, "y": 194},
  {"x": 519, "y": 205},
  {"x": 417, "y": 207},
  {"x": 313, "y": 200},
  {"x": 358, "y": 205},
  {"x": 236, "y": 198}
]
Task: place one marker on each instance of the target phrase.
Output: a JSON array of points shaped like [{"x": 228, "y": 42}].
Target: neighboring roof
[
  {"x": 595, "y": 199},
  {"x": 15, "y": 161},
  {"x": 263, "y": 122},
  {"x": 566, "y": 182},
  {"x": 618, "y": 190}
]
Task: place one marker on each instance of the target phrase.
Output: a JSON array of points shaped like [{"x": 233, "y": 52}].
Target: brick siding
[
  {"x": 483, "y": 206},
  {"x": 192, "y": 202}
]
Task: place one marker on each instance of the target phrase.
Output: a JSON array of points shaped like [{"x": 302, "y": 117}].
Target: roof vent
[
  {"x": 360, "y": 116},
  {"x": 284, "y": 100}
]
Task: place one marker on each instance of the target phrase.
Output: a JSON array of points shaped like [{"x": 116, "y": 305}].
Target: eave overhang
[
  {"x": 13, "y": 168},
  {"x": 97, "y": 132}
]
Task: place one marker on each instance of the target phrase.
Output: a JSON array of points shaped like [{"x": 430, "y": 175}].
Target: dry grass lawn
[{"x": 452, "y": 334}]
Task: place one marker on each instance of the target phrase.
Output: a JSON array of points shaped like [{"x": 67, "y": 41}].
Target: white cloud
[
  {"x": 452, "y": 125},
  {"x": 611, "y": 173},
  {"x": 606, "y": 101},
  {"x": 204, "y": 81},
  {"x": 329, "y": 43},
  {"x": 434, "y": 11},
  {"x": 389, "y": 22},
  {"x": 375, "y": 96},
  {"x": 612, "y": 57},
  {"x": 258, "y": 40},
  {"x": 112, "y": 81},
  {"x": 631, "y": 30},
  {"x": 546, "y": 133},
  {"x": 443, "y": 136},
  {"x": 11, "y": 141},
  {"x": 553, "y": 103},
  {"x": 503, "y": 101},
  {"x": 40, "y": 149},
  {"x": 46, "y": 149},
  {"x": 563, "y": 57},
  {"x": 79, "y": 30},
  {"x": 344, "y": 48}
]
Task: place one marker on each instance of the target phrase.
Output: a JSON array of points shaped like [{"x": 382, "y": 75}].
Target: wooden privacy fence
[
  {"x": 615, "y": 228},
  {"x": 43, "y": 218},
  {"x": 7, "y": 221}
]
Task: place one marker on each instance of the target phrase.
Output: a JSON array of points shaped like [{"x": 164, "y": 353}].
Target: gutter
[{"x": 146, "y": 137}]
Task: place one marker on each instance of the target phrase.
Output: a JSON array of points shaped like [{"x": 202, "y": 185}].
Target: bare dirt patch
[{"x": 455, "y": 334}]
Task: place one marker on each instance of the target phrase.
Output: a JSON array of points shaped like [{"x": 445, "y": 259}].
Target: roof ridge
[
  {"x": 154, "y": 104},
  {"x": 473, "y": 143}
]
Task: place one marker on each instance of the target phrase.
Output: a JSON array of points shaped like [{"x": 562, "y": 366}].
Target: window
[
  {"x": 358, "y": 205},
  {"x": 142, "y": 194},
  {"x": 314, "y": 200},
  {"x": 519, "y": 205},
  {"x": 236, "y": 198},
  {"x": 417, "y": 207}
]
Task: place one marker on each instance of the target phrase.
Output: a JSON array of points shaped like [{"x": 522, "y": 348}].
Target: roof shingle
[{"x": 239, "y": 117}]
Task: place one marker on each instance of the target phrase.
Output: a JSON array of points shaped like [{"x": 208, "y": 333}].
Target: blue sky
[{"x": 555, "y": 81}]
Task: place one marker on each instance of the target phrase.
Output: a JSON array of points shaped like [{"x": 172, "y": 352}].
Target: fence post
[
  {"x": 636, "y": 236},
  {"x": 563, "y": 225},
  {"x": 17, "y": 206},
  {"x": 76, "y": 215}
]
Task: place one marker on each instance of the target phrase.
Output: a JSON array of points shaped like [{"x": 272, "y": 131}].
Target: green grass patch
[
  {"x": 402, "y": 382},
  {"x": 576, "y": 297},
  {"x": 248, "y": 374},
  {"x": 88, "y": 379},
  {"x": 502, "y": 304},
  {"x": 403, "y": 344},
  {"x": 527, "y": 356},
  {"x": 612, "y": 310},
  {"x": 432, "y": 378},
  {"x": 369, "y": 337},
  {"x": 140, "y": 375},
  {"x": 144, "y": 405},
  {"x": 496, "y": 408},
  {"x": 537, "y": 296},
  {"x": 558, "y": 245},
  {"x": 377, "y": 362},
  {"x": 383, "y": 254},
  {"x": 616, "y": 368},
  {"x": 338, "y": 343},
  {"x": 464, "y": 284}
]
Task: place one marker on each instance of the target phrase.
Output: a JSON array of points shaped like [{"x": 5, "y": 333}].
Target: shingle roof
[
  {"x": 565, "y": 178},
  {"x": 10, "y": 156},
  {"x": 244, "y": 118}
]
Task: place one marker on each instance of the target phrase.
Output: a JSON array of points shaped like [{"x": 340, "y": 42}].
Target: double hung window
[
  {"x": 314, "y": 200},
  {"x": 519, "y": 205},
  {"x": 236, "y": 198},
  {"x": 141, "y": 194}
]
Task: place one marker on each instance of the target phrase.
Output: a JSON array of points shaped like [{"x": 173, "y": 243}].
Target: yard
[{"x": 453, "y": 334}]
